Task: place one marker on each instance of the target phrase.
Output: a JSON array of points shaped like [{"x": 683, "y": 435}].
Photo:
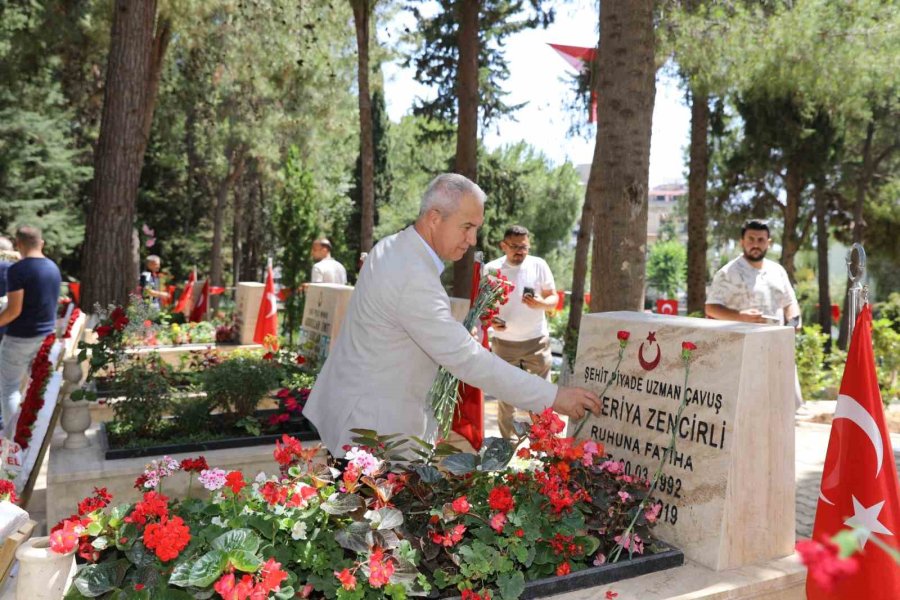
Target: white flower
[
  {"x": 218, "y": 521},
  {"x": 298, "y": 531}
]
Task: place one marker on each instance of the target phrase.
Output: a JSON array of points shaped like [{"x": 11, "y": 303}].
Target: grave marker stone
[
  {"x": 728, "y": 489},
  {"x": 323, "y": 313},
  {"x": 247, "y": 299}
]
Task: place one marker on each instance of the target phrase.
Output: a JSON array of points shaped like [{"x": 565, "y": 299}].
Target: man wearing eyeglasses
[{"x": 521, "y": 336}]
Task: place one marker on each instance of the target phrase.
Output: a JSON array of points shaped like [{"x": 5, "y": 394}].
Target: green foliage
[
  {"x": 667, "y": 267},
  {"x": 436, "y": 59},
  {"x": 145, "y": 398},
  {"x": 886, "y": 345},
  {"x": 810, "y": 358},
  {"x": 295, "y": 220},
  {"x": 237, "y": 384}
]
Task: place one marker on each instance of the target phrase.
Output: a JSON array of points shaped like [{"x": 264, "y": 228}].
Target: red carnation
[
  {"x": 688, "y": 346},
  {"x": 623, "y": 335},
  {"x": 103, "y": 330}
]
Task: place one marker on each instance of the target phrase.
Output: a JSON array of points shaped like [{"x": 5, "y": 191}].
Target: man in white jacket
[{"x": 398, "y": 329}]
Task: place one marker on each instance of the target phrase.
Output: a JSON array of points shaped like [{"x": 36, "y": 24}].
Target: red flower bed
[{"x": 41, "y": 369}]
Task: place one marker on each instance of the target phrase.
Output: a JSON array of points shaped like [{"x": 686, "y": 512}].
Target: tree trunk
[
  {"x": 793, "y": 189},
  {"x": 620, "y": 169},
  {"x": 467, "y": 128},
  {"x": 859, "y": 224},
  {"x": 822, "y": 254},
  {"x": 236, "y": 167},
  {"x": 362, "y": 11},
  {"x": 108, "y": 270},
  {"x": 160, "y": 44},
  {"x": 696, "y": 225}
]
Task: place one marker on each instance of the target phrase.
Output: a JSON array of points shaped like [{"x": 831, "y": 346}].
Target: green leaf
[
  {"x": 267, "y": 527},
  {"x": 511, "y": 585},
  {"x": 181, "y": 575},
  {"x": 385, "y": 518},
  {"x": 245, "y": 561},
  {"x": 496, "y": 454},
  {"x": 139, "y": 555},
  {"x": 96, "y": 580},
  {"x": 340, "y": 504},
  {"x": 237, "y": 539},
  {"x": 285, "y": 593},
  {"x": 353, "y": 541},
  {"x": 167, "y": 593},
  {"x": 460, "y": 464},
  {"x": 208, "y": 568},
  {"x": 94, "y": 529},
  {"x": 429, "y": 474}
]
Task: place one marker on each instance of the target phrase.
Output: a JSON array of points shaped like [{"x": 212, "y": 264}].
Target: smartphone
[{"x": 528, "y": 291}]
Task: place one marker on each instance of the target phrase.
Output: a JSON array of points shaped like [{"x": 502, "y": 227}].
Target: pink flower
[
  {"x": 460, "y": 505},
  {"x": 624, "y": 496},
  {"x": 632, "y": 543},
  {"x": 652, "y": 513},
  {"x": 498, "y": 521}
]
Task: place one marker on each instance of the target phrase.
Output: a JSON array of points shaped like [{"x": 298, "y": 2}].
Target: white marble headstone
[
  {"x": 323, "y": 314},
  {"x": 728, "y": 488}
]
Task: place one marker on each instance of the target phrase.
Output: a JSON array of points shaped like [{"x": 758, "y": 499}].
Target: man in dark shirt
[{"x": 32, "y": 293}]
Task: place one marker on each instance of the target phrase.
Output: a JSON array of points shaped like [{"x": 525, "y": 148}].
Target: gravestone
[
  {"x": 727, "y": 490},
  {"x": 323, "y": 313},
  {"x": 247, "y": 298}
]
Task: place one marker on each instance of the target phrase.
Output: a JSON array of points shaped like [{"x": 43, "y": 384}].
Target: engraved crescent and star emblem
[{"x": 649, "y": 366}]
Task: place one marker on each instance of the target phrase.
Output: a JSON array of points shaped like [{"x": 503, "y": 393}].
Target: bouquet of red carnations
[{"x": 493, "y": 291}]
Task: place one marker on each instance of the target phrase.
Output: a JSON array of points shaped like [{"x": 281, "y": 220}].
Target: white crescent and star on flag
[
  {"x": 273, "y": 306},
  {"x": 866, "y": 518}
]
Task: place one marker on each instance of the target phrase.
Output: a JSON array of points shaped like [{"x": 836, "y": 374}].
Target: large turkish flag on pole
[
  {"x": 859, "y": 482},
  {"x": 267, "y": 318},
  {"x": 468, "y": 420}
]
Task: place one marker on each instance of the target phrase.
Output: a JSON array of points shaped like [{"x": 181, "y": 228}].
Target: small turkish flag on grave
[
  {"x": 198, "y": 313},
  {"x": 667, "y": 307},
  {"x": 835, "y": 312},
  {"x": 561, "y": 302},
  {"x": 859, "y": 483},
  {"x": 267, "y": 319},
  {"x": 187, "y": 293},
  {"x": 75, "y": 290}
]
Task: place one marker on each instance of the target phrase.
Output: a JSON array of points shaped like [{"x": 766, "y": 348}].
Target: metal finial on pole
[{"x": 857, "y": 293}]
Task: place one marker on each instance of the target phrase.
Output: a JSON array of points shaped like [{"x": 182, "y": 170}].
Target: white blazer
[{"x": 397, "y": 330}]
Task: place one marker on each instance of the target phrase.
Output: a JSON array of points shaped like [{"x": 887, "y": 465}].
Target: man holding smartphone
[{"x": 521, "y": 335}]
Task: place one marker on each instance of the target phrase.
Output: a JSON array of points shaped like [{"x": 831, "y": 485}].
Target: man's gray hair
[
  {"x": 153, "y": 258},
  {"x": 5, "y": 244},
  {"x": 446, "y": 191}
]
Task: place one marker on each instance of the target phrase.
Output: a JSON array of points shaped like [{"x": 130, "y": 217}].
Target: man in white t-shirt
[
  {"x": 752, "y": 288},
  {"x": 521, "y": 336},
  {"x": 326, "y": 269}
]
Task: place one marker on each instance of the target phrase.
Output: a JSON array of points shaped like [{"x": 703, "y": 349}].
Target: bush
[
  {"x": 146, "y": 389},
  {"x": 886, "y": 342},
  {"x": 811, "y": 366},
  {"x": 237, "y": 385}
]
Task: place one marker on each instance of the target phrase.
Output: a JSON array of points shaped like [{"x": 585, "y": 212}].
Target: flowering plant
[
  {"x": 493, "y": 291},
  {"x": 76, "y": 312},
  {"x": 446, "y": 523},
  {"x": 33, "y": 401},
  {"x": 108, "y": 351}
]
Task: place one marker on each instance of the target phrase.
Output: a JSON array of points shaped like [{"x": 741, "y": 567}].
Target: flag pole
[{"x": 857, "y": 293}]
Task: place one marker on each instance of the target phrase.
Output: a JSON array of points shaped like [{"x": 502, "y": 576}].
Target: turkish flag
[
  {"x": 468, "y": 420},
  {"x": 859, "y": 482},
  {"x": 267, "y": 318},
  {"x": 75, "y": 290},
  {"x": 187, "y": 293},
  {"x": 667, "y": 307},
  {"x": 198, "y": 313}
]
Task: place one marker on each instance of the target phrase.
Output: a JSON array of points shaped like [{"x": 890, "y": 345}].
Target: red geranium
[
  {"x": 235, "y": 481},
  {"x": 167, "y": 538},
  {"x": 460, "y": 505},
  {"x": 348, "y": 581},
  {"x": 100, "y": 499},
  {"x": 194, "y": 465},
  {"x": 153, "y": 506},
  {"x": 500, "y": 499},
  {"x": 380, "y": 568}
]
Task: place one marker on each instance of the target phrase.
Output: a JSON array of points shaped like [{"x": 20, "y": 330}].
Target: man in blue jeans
[{"x": 32, "y": 294}]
